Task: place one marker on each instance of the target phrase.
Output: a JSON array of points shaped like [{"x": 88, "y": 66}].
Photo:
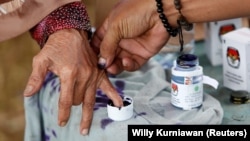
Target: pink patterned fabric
[{"x": 72, "y": 15}]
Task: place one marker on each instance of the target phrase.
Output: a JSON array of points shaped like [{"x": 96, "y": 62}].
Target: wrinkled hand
[
  {"x": 131, "y": 34},
  {"x": 67, "y": 54}
]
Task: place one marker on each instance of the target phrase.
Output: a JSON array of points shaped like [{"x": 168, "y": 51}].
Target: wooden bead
[
  {"x": 188, "y": 27},
  {"x": 184, "y": 23},
  {"x": 182, "y": 20},
  {"x": 172, "y": 32},
  {"x": 159, "y": 5},
  {"x": 177, "y": 4},
  {"x": 159, "y": 10},
  {"x": 162, "y": 16}
]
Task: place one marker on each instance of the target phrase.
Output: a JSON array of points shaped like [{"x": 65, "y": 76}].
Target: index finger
[{"x": 107, "y": 87}]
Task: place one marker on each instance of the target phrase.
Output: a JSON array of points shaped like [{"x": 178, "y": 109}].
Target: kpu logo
[
  {"x": 174, "y": 89},
  {"x": 233, "y": 57},
  {"x": 225, "y": 29}
]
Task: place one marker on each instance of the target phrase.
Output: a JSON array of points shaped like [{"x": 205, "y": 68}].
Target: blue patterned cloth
[{"x": 151, "y": 95}]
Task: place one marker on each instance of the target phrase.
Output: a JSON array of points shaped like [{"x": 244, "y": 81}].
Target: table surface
[{"x": 233, "y": 113}]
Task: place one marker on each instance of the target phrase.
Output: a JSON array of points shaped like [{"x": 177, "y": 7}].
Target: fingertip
[
  {"x": 127, "y": 64},
  {"x": 64, "y": 109},
  {"x": 114, "y": 69},
  {"x": 63, "y": 123},
  {"x": 28, "y": 90},
  {"x": 107, "y": 87},
  {"x": 102, "y": 63},
  {"x": 118, "y": 102},
  {"x": 109, "y": 46},
  {"x": 85, "y": 132},
  {"x": 130, "y": 64}
]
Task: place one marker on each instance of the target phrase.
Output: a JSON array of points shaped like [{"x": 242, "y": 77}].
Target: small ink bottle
[{"x": 187, "y": 82}]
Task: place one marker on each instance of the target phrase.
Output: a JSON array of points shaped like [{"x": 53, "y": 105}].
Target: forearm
[
  {"x": 24, "y": 18},
  {"x": 197, "y": 11}
]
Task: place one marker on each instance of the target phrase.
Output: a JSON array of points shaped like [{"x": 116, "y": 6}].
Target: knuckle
[
  {"x": 89, "y": 105},
  {"x": 70, "y": 70},
  {"x": 35, "y": 79},
  {"x": 87, "y": 74},
  {"x": 37, "y": 59},
  {"x": 65, "y": 104}
]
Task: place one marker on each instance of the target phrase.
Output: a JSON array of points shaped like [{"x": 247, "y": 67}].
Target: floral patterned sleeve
[{"x": 72, "y": 15}]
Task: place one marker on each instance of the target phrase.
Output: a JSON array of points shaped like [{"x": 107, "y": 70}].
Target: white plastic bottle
[{"x": 187, "y": 82}]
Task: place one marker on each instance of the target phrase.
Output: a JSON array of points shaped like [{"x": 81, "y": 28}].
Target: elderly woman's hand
[{"x": 67, "y": 54}]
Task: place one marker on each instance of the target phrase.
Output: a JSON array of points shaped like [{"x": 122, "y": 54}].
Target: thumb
[
  {"x": 108, "y": 48},
  {"x": 35, "y": 80}
]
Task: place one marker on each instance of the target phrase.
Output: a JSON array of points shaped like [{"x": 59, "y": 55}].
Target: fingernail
[
  {"x": 85, "y": 131},
  {"x": 63, "y": 123},
  {"x": 101, "y": 63},
  {"x": 124, "y": 63},
  {"x": 28, "y": 90}
]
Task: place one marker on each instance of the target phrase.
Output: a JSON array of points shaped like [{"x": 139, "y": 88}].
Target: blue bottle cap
[{"x": 187, "y": 61}]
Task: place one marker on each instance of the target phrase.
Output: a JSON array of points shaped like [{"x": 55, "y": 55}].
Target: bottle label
[{"x": 187, "y": 91}]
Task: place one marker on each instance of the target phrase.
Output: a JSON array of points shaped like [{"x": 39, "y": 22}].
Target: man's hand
[{"x": 131, "y": 34}]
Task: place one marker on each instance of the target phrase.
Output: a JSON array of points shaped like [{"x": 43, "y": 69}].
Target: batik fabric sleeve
[{"x": 72, "y": 15}]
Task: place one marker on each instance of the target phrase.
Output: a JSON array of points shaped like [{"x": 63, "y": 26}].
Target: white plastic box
[
  {"x": 236, "y": 59},
  {"x": 213, "y": 32}
]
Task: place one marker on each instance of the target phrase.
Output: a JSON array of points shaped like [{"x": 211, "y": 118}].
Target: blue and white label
[{"x": 187, "y": 91}]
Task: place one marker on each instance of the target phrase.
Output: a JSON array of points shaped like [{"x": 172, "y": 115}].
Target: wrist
[
  {"x": 72, "y": 15},
  {"x": 66, "y": 37},
  {"x": 181, "y": 21},
  {"x": 170, "y": 12}
]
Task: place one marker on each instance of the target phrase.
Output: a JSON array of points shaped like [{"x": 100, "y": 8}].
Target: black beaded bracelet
[
  {"x": 182, "y": 20},
  {"x": 172, "y": 31}
]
